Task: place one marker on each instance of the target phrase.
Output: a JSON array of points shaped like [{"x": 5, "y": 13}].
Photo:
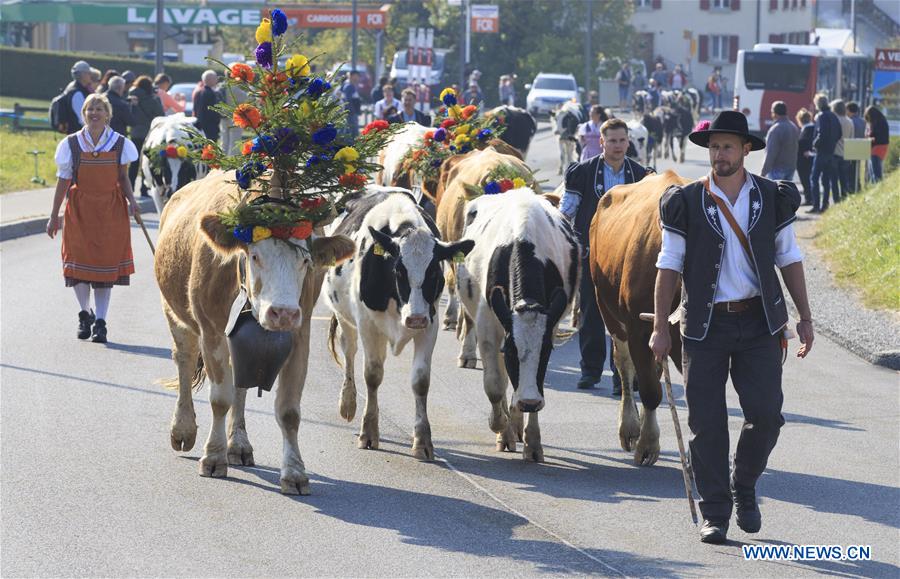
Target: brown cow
[
  {"x": 197, "y": 270},
  {"x": 625, "y": 242},
  {"x": 456, "y": 173}
]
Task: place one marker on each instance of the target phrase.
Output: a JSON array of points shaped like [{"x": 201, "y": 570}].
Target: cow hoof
[
  {"x": 450, "y": 325},
  {"x": 646, "y": 455},
  {"x": 183, "y": 439},
  {"x": 506, "y": 441},
  {"x": 295, "y": 484},
  {"x": 240, "y": 453},
  {"x": 348, "y": 404},
  {"x": 628, "y": 441},
  {"x": 470, "y": 363},
  {"x": 533, "y": 453},
  {"x": 214, "y": 466},
  {"x": 366, "y": 442},
  {"x": 423, "y": 452}
]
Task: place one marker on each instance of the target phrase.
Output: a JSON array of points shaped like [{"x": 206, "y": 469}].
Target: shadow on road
[{"x": 164, "y": 353}]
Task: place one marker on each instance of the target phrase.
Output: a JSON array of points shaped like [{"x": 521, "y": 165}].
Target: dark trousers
[
  {"x": 739, "y": 343},
  {"x": 843, "y": 168},
  {"x": 135, "y": 168},
  {"x": 804, "y": 168},
  {"x": 591, "y": 329},
  {"x": 825, "y": 169}
]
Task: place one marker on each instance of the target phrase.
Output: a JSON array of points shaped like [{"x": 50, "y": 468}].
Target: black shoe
[
  {"x": 85, "y": 319},
  {"x": 748, "y": 516},
  {"x": 714, "y": 532},
  {"x": 587, "y": 383},
  {"x": 99, "y": 334}
]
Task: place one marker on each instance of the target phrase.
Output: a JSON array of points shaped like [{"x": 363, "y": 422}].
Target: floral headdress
[
  {"x": 458, "y": 129},
  {"x": 300, "y": 148},
  {"x": 501, "y": 179},
  {"x": 157, "y": 155}
]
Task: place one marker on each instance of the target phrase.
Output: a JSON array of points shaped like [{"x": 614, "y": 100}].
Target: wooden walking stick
[
  {"x": 137, "y": 217},
  {"x": 685, "y": 466}
]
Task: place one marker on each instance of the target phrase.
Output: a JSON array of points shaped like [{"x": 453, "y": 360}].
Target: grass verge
[
  {"x": 860, "y": 239},
  {"x": 17, "y": 166}
]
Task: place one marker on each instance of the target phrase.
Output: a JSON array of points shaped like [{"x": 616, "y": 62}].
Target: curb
[{"x": 35, "y": 225}]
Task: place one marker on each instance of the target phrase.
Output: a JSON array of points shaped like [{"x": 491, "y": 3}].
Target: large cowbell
[{"x": 257, "y": 354}]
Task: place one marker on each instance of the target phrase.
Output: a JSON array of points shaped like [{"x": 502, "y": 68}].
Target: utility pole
[
  {"x": 853, "y": 21},
  {"x": 353, "y": 39},
  {"x": 159, "y": 36},
  {"x": 588, "y": 60},
  {"x": 464, "y": 14}
]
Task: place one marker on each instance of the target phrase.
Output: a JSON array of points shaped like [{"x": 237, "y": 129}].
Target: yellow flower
[
  {"x": 260, "y": 233},
  {"x": 297, "y": 65},
  {"x": 461, "y": 140},
  {"x": 349, "y": 168},
  {"x": 447, "y": 91},
  {"x": 264, "y": 31},
  {"x": 518, "y": 182},
  {"x": 346, "y": 155},
  {"x": 455, "y": 112},
  {"x": 463, "y": 129},
  {"x": 305, "y": 109},
  {"x": 182, "y": 151}
]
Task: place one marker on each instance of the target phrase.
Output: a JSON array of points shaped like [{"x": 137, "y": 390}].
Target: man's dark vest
[
  {"x": 690, "y": 212},
  {"x": 587, "y": 180}
]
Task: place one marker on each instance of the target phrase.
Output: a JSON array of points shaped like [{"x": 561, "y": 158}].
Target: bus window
[
  {"x": 774, "y": 71},
  {"x": 855, "y": 79},
  {"x": 827, "y": 77}
]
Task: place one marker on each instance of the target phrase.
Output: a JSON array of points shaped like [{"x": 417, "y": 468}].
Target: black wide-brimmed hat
[{"x": 729, "y": 123}]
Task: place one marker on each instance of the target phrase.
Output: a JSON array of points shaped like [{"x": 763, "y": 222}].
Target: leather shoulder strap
[
  {"x": 723, "y": 207},
  {"x": 75, "y": 150},
  {"x": 119, "y": 147}
]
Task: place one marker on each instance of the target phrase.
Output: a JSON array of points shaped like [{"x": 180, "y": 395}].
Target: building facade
[{"x": 703, "y": 34}]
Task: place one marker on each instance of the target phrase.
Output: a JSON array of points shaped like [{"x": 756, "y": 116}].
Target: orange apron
[{"x": 96, "y": 241}]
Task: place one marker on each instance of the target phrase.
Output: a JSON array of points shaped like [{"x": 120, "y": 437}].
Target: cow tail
[
  {"x": 196, "y": 381},
  {"x": 332, "y": 332}
]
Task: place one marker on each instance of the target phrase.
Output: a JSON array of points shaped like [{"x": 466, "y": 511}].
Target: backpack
[{"x": 62, "y": 116}]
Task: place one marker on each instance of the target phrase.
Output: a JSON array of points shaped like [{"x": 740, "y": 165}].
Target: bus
[{"x": 795, "y": 74}]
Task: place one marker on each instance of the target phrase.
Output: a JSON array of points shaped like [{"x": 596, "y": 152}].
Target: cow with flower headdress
[
  {"x": 165, "y": 166},
  {"x": 241, "y": 254}
]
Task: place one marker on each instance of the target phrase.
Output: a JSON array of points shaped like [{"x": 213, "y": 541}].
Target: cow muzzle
[
  {"x": 416, "y": 322},
  {"x": 281, "y": 318},
  {"x": 530, "y": 405}
]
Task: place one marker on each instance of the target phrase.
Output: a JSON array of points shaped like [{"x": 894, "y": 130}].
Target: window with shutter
[
  {"x": 732, "y": 57},
  {"x": 704, "y": 4},
  {"x": 657, "y": 4},
  {"x": 735, "y": 5},
  {"x": 773, "y": 5},
  {"x": 704, "y": 48}
]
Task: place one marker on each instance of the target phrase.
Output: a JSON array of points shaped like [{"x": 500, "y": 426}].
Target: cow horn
[{"x": 501, "y": 308}]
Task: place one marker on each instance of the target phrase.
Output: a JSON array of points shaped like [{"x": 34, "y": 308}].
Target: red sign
[
  {"x": 485, "y": 18},
  {"x": 336, "y": 18},
  {"x": 887, "y": 59}
]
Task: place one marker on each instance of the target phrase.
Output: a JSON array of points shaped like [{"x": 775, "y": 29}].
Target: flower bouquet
[
  {"x": 300, "y": 151},
  {"x": 501, "y": 179}
]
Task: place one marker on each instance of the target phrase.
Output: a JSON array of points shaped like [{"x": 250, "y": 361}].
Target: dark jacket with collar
[
  {"x": 123, "y": 116},
  {"x": 587, "y": 180},
  {"x": 689, "y": 211},
  {"x": 828, "y": 133},
  {"x": 421, "y": 118}
]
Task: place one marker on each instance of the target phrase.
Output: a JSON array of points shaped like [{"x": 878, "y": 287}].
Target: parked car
[
  {"x": 187, "y": 89},
  {"x": 365, "y": 78},
  {"x": 400, "y": 70},
  {"x": 550, "y": 90}
]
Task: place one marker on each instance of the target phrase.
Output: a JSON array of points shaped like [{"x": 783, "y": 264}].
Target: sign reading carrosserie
[
  {"x": 336, "y": 18},
  {"x": 196, "y": 16},
  {"x": 117, "y": 14}
]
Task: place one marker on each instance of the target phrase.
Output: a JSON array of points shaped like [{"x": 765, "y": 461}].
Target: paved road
[{"x": 90, "y": 486}]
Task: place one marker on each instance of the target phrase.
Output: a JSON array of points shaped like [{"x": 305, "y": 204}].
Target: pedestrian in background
[
  {"x": 714, "y": 89},
  {"x": 678, "y": 80},
  {"x": 129, "y": 77},
  {"x": 387, "y": 101},
  {"x": 782, "y": 142},
  {"x": 805, "y": 152},
  {"x": 472, "y": 96},
  {"x": 231, "y": 134},
  {"x": 96, "y": 77},
  {"x": 122, "y": 109},
  {"x": 653, "y": 93},
  {"x": 146, "y": 108},
  {"x": 507, "y": 91},
  {"x": 733, "y": 314},
  {"x": 91, "y": 170},
  {"x": 75, "y": 92},
  {"x": 623, "y": 80},
  {"x": 171, "y": 105},
  {"x": 352, "y": 102},
  {"x": 104, "y": 81},
  {"x": 589, "y": 134},
  {"x": 660, "y": 76},
  {"x": 878, "y": 131},
  {"x": 207, "y": 118},
  {"x": 824, "y": 170},
  {"x": 859, "y": 132},
  {"x": 409, "y": 113},
  {"x": 840, "y": 110}
]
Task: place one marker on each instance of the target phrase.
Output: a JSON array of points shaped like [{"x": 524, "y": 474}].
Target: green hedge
[
  {"x": 43, "y": 74},
  {"x": 893, "y": 157}
]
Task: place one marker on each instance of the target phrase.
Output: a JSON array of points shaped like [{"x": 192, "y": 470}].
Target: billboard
[
  {"x": 886, "y": 85},
  {"x": 485, "y": 18}
]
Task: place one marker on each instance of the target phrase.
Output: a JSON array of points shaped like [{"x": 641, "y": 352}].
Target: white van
[
  {"x": 548, "y": 91},
  {"x": 400, "y": 69}
]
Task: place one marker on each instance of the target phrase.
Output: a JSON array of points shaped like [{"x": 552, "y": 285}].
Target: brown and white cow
[
  {"x": 457, "y": 172},
  {"x": 625, "y": 242},
  {"x": 197, "y": 268}
]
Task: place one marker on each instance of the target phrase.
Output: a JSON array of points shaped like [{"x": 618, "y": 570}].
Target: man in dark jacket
[
  {"x": 408, "y": 113},
  {"x": 208, "y": 119},
  {"x": 586, "y": 182},
  {"x": 122, "y": 116},
  {"x": 828, "y": 133},
  {"x": 782, "y": 141}
]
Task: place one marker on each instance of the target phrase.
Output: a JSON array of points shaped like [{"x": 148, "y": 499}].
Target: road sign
[
  {"x": 485, "y": 18},
  {"x": 336, "y": 18}
]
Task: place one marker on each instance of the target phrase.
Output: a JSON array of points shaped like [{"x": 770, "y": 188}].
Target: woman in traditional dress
[{"x": 92, "y": 171}]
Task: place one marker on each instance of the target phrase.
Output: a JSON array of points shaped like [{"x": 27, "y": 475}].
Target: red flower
[
  {"x": 429, "y": 136},
  {"x": 282, "y": 231},
  {"x": 352, "y": 180},
  {"x": 246, "y": 115},
  {"x": 247, "y": 148},
  {"x": 312, "y": 202},
  {"x": 241, "y": 71},
  {"x": 448, "y": 123},
  {"x": 468, "y": 111},
  {"x": 208, "y": 153},
  {"x": 302, "y": 230},
  {"x": 506, "y": 185},
  {"x": 172, "y": 152},
  {"x": 375, "y": 126}
]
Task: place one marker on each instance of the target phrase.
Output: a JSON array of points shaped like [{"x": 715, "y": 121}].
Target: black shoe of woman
[
  {"x": 99, "y": 334},
  {"x": 85, "y": 319}
]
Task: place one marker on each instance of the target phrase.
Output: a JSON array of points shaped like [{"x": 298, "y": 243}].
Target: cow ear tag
[
  {"x": 459, "y": 257},
  {"x": 378, "y": 250}
]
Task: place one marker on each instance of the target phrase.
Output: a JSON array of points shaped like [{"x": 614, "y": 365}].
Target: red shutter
[
  {"x": 657, "y": 4},
  {"x": 735, "y": 5},
  {"x": 734, "y": 48},
  {"x": 773, "y": 39},
  {"x": 773, "y": 5},
  {"x": 704, "y": 48},
  {"x": 704, "y": 4}
]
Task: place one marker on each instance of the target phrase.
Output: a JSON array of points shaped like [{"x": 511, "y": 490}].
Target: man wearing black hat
[
  {"x": 586, "y": 182},
  {"x": 725, "y": 235}
]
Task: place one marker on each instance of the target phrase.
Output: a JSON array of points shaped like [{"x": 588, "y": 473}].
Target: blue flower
[
  {"x": 264, "y": 55},
  {"x": 316, "y": 87},
  {"x": 314, "y": 160},
  {"x": 246, "y": 174},
  {"x": 263, "y": 144},
  {"x": 449, "y": 99},
  {"x": 162, "y": 153},
  {"x": 243, "y": 179},
  {"x": 279, "y": 22},
  {"x": 436, "y": 163},
  {"x": 440, "y": 135},
  {"x": 287, "y": 139},
  {"x": 492, "y": 188},
  {"x": 324, "y": 135},
  {"x": 484, "y": 134},
  {"x": 244, "y": 234}
]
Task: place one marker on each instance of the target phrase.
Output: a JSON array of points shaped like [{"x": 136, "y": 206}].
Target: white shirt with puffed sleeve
[{"x": 106, "y": 142}]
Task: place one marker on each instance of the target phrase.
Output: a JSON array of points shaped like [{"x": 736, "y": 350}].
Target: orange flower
[
  {"x": 468, "y": 111},
  {"x": 208, "y": 153},
  {"x": 303, "y": 230},
  {"x": 247, "y": 148},
  {"x": 246, "y": 115},
  {"x": 429, "y": 135},
  {"x": 241, "y": 71},
  {"x": 354, "y": 180}
]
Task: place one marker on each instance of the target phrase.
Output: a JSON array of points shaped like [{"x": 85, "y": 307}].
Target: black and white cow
[
  {"x": 677, "y": 122},
  {"x": 176, "y": 173},
  {"x": 520, "y": 126},
  {"x": 387, "y": 294},
  {"x": 516, "y": 284},
  {"x": 565, "y": 121}
]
